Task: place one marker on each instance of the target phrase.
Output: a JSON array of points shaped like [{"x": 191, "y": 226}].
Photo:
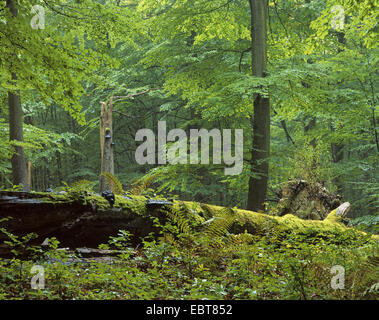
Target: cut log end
[{"x": 343, "y": 209}]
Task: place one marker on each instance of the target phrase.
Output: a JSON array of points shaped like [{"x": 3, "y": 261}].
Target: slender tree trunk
[
  {"x": 261, "y": 121},
  {"x": 107, "y": 162},
  {"x": 29, "y": 165},
  {"x": 338, "y": 148},
  {"x": 28, "y": 120},
  {"x": 19, "y": 172},
  {"x": 59, "y": 168},
  {"x": 310, "y": 126}
]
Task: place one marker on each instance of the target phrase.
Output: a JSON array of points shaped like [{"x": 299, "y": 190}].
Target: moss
[
  {"x": 333, "y": 218},
  {"x": 263, "y": 224},
  {"x": 52, "y": 197},
  {"x": 136, "y": 204},
  {"x": 245, "y": 221}
]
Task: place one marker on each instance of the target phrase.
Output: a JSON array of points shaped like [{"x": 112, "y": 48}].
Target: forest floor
[{"x": 196, "y": 251}]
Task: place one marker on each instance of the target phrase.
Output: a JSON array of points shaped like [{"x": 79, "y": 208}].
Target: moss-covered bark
[
  {"x": 80, "y": 219},
  {"x": 261, "y": 224}
]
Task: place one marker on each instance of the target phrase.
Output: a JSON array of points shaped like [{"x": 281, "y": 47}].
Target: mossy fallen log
[
  {"x": 81, "y": 219},
  {"x": 76, "y": 220}
]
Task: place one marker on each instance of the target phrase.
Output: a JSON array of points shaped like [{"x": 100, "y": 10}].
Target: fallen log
[
  {"x": 75, "y": 220},
  {"x": 87, "y": 220}
]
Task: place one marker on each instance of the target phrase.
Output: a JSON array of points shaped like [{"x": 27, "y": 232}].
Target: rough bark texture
[
  {"x": 75, "y": 221},
  {"x": 261, "y": 119},
  {"x": 307, "y": 201},
  {"x": 106, "y": 139}
]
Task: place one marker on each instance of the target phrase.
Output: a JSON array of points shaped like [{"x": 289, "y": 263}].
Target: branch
[
  {"x": 60, "y": 12},
  {"x": 117, "y": 98},
  {"x": 214, "y": 9},
  {"x": 280, "y": 20},
  {"x": 284, "y": 126},
  {"x": 124, "y": 114}
]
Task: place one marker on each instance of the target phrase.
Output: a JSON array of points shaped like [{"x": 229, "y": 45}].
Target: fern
[
  {"x": 368, "y": 223},
  {"x": 113, "y": 182},
  {"x": 180, "y": 218},
  {"x": 217, "y": 228},
  {"x": 82, "y": 185},
  {"x": 76, "y": 190},
  {"x": 142, "y": 184},
  {"x": 371, "y": 266}
]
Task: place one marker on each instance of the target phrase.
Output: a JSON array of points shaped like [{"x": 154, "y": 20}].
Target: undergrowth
[{"x": 186, "y": 263}]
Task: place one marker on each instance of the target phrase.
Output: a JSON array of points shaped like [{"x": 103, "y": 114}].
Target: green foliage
[
  {"x": 80, "y": 186},
  {"x": 19, "y": 245},
  {"x": 196, "y": 269},
  {"x": 368, "y": 223},
  {"x": 310, "y": 164},
  {"x": 219, "y": 226},
  {"x": 113, "y": 182},
  {"x": 141, "y": 186},
  {"x": 39, "y": 144},
  {"x": 198, "y": 54}
]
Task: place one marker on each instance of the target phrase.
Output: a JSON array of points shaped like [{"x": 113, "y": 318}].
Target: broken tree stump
[
  {"x": 307, "y": 201},
  {"x": 106, "y": 142}
]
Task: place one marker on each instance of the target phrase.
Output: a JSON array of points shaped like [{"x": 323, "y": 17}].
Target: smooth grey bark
[
  {"x": 261, "y": 118},
  {"x": 19, "y": 171}
]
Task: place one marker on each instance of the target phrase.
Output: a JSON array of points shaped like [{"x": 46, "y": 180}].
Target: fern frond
[
  {"x": 112, "y": 181},
  {"x": 218, "y": 227},
  {"x": 372, "y": 264},
  {"x": 82, "y": 185},
  {"x": 171, "y": 240},
  {"x": 140, "y": 185},
  {"x": 181, "y": 218}
]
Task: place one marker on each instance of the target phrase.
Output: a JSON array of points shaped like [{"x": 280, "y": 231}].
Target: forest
[{"x": 189, "y": 150}]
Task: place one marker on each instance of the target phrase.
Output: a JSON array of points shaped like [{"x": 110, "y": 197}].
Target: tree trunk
[
  {"x": 19, "y": 173},
  {"x": 338, "y": 148},
  {"x": 261, "y": 121},
  {"x": 107, "y": 161}
]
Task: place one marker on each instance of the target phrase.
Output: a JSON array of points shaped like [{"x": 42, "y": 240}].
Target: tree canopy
[
  {"x": 94, "y": 94},
  {"x": 196, "y": 55}
]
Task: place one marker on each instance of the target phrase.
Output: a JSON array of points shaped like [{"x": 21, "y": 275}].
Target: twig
[
  {"x": 117, "y": 98},
  {"x": 284, "y": 126}
]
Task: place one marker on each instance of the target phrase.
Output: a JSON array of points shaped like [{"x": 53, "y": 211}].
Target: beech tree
[
  {"x": 261, "y": 116},
  {"x": 19, "y": 172},
  {"x": 205, "y": 57}
]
